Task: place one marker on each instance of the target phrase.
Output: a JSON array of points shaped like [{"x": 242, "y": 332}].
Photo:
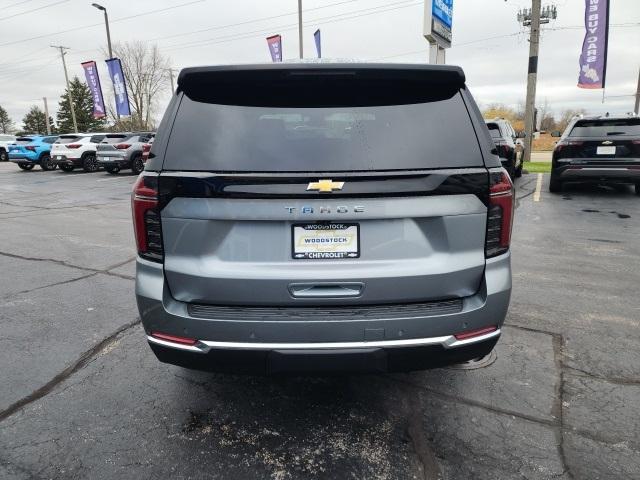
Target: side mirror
[{"x": 556, "y": 134}]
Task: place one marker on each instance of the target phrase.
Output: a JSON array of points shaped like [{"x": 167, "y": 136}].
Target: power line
[
  {"x": 317, "y": 21},
  {"x": 83, "y": 27},
  {"x": 229, "y": 25},
  {"x": 17, "y": 3},
  {"x": 34, "y": 10}
]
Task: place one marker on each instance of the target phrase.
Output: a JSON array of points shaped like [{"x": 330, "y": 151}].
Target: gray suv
[
  {"x": 322, "y": 218},
  {"x": 122, "y": 150}
]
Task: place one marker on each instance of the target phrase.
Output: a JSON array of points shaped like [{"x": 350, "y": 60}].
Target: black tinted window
[
  {"x": 49, "y": 139},
  {"x": 115, "y": 138},
  {"x": 434, "y": 134},
  {"x": 24, "y": 140},
  {"x": 96, "y": 138},
  {"x": 67, "y": 139},
  {"x": 602, "y": 128},
  {"x": 494, "y": 130}
]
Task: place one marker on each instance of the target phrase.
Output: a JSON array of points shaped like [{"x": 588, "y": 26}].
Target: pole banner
[
  {"x": 316, "y": 36},
  {"x": 275, "y": 47},
  {"x": 593, "y": 59},
  {"x": 93, "y": 80},
  {"x": 119, "y": 86}
]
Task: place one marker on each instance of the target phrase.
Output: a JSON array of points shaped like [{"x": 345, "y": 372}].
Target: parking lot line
[{"x": 536, "y": 195}]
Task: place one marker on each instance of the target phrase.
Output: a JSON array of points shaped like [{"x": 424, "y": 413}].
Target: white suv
[
  {"x": 5, "y": 141},
  {"x": 76, "y": 150}
]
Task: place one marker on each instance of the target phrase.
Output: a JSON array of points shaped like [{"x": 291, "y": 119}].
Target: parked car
[
  {"x": 508, "y": 145},
  {"x": 604, "y": 149},
  {"x": 32, "y": 150},
  {"x": 122, "y": 150},
  {"x": 76, "y": 150},
  {"x": 5, "y": 141},
  {"x": 347, "y": 217}
]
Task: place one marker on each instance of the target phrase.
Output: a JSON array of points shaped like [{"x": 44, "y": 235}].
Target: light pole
[{"x": 106, "y": 23}]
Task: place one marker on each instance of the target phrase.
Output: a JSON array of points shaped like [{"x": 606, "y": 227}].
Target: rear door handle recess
[{"x": 325, "y": 290}]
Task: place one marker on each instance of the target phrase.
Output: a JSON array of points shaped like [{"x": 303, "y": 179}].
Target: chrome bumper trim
[{"x": 203, "y": 346}]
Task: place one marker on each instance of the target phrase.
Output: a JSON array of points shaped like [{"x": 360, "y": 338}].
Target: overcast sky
[{"x": 200, "y": 32}]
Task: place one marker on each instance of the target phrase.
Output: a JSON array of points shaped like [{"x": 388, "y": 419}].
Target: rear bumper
[
  {"x": 66, "y": 160},
  {"x": 21, "y": 158},
  {"x": 112, "y": 161},
  {"x": 580, "y": 173},
  {"x": 401, "y": 343}
]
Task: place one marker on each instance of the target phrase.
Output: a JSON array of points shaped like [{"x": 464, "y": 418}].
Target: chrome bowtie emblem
[{"x": 607, "y": 142}]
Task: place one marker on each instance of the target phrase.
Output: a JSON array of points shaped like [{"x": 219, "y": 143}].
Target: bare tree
[
  {"x": 566, "y": 116},
  {"x": 145, "y": 70}
]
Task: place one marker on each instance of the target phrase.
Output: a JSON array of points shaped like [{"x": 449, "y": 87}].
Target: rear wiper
[{"x": 615, "y": 133}]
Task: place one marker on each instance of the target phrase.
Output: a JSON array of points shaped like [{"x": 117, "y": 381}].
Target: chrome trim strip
[{"x": 449, "y": 341}]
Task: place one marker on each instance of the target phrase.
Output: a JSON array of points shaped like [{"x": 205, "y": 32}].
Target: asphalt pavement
[{"x": 82, "y": 395}]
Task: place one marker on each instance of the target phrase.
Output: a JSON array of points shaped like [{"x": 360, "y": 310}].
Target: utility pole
[
  {"x": 533, "y": 18},
  {"x": 300, "y": 44},
  {"x": 46, "y": 115},
  {"x": 532, "y": 78},
  {"x": 66, "y": 77},
  {"x": 637, "y": 107}
]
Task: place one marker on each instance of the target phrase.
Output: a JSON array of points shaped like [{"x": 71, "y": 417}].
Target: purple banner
[
  {"x": 316, "y": 36},
  {"x": 91, "y": 74},
  {"x": 275, "y": 47},
  {"x": 593, "y": 60}
]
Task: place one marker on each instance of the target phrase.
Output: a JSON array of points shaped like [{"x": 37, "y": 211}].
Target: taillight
[
  {"x": 73, "y": 145},
  {"x": 503, "y": 150},
  {"x": 567, "y": 143},
  {"x": 30, "y": 148},
  {"x": 145, "y": 151},
  {"x": 146, "y": 217},
  {"x": 123, "y": 146},
  {"x": 499, "y": 214}
]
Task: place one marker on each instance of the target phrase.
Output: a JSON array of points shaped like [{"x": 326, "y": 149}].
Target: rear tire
[
  {"x": 46, "y": 163},
  {"x": 555, "y": 185},
  {"x": 137, "y": 165},
  {"x": 26, "y": 166},
  {"x": 67, "y": 168},
  {"x": 89, "y": 163},
  {"x": 4, "y": 156},
  {"x": 112, "y": 169}
]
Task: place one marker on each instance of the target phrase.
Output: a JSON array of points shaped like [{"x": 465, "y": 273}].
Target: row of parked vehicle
[{"x": 91, "y": 152}]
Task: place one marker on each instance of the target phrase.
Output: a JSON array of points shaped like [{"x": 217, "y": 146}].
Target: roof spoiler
[{"x": 320, "y": 84}]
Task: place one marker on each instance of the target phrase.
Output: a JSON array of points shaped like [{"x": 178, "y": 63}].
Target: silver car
[
  {"x": 119, "y": 151},
  {"x": 322, "y": 218}
]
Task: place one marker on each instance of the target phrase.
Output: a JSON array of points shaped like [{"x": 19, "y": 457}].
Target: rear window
[
  {"x": 49, "y": 139},
  {"x": 436, "y": 133},
  {"x": 494, "y": 130},
  {"x": 603, "y": 128},
  {"x": 67, "y": 139},
  {"x": 24, "y": 140},
  {"x": 96, "y": 138},
  {"x": 115, "y": 138}
]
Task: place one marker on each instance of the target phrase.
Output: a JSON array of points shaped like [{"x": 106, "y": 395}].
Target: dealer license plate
[
  {"x": 606, "y": 150},
  {"x": 326, "y": 241}
]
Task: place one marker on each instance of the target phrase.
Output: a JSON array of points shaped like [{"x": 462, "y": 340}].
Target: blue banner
[
  {"x": 119, "y": 86},
  {"x": 91, "y": 74},
  {"x": 443, "y": 11},
  {"x": 316, "y": 36}
]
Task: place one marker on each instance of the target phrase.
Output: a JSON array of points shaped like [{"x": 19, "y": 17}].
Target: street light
[{"x": 106, "y": 22}]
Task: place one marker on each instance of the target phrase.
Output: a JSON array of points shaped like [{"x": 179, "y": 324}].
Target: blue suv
[{"x": 32, "y": 150}]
